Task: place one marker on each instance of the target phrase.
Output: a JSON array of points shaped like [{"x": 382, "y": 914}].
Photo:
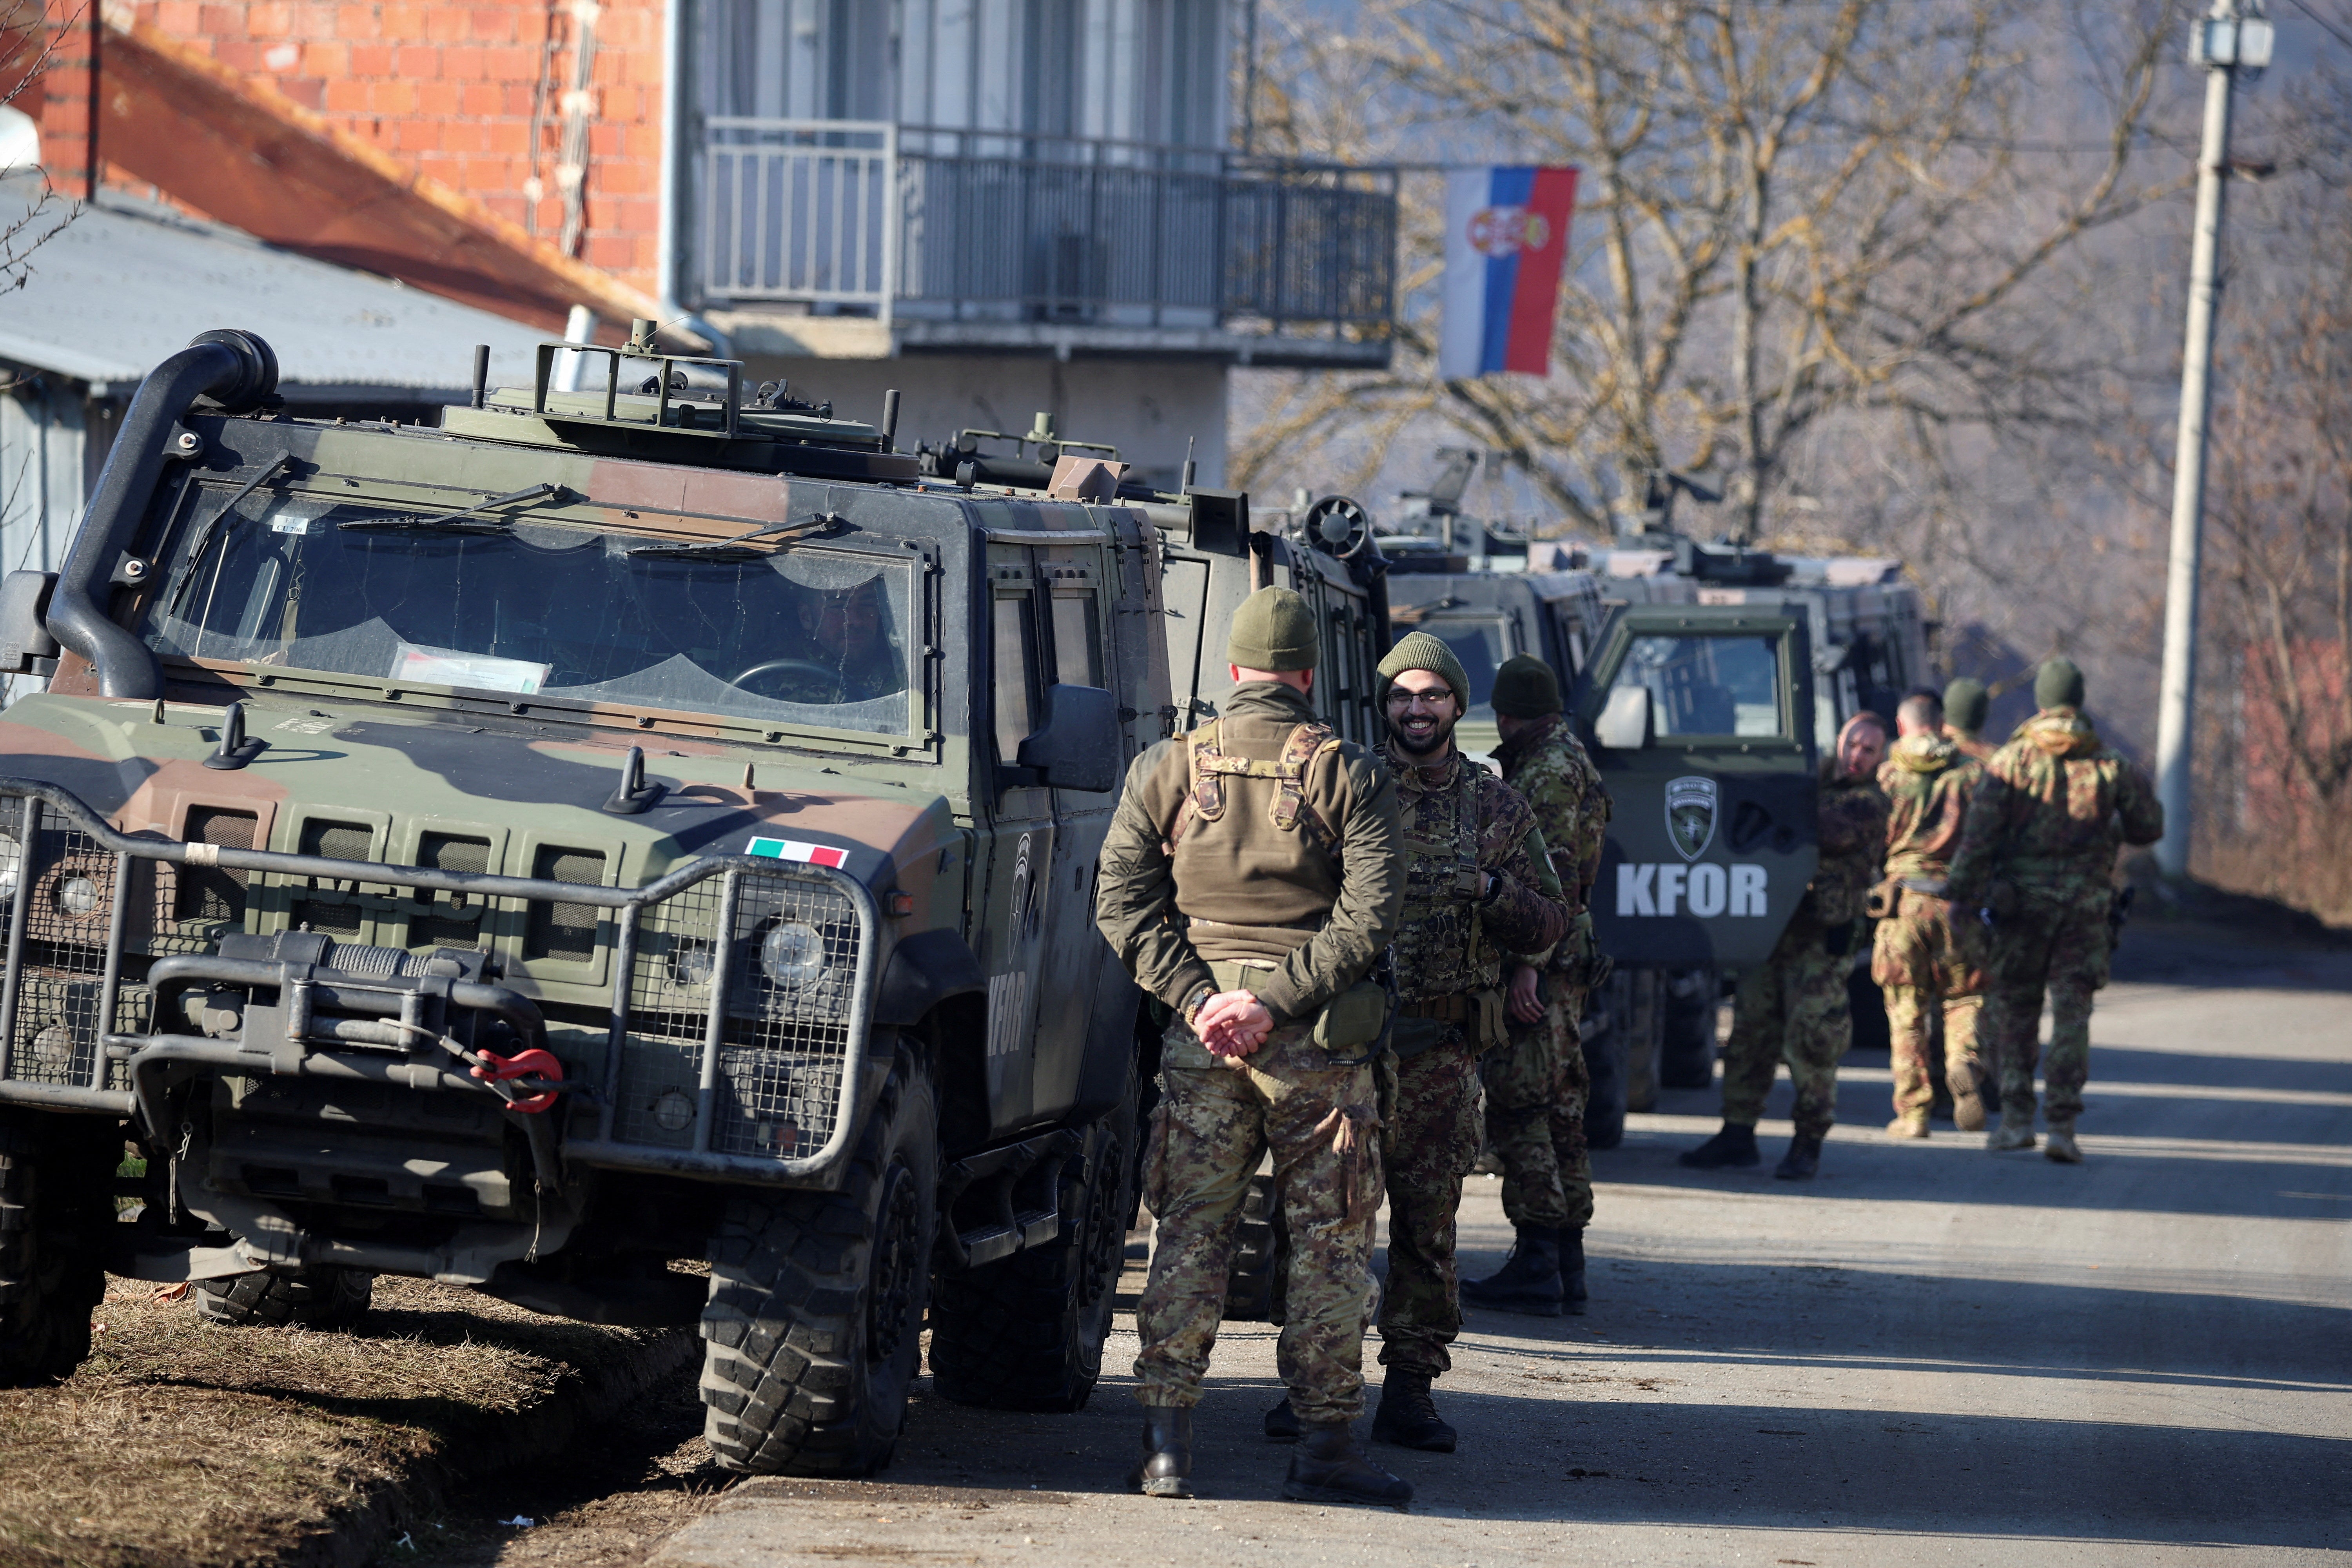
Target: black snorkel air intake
[{"x": 237, "y": 371}]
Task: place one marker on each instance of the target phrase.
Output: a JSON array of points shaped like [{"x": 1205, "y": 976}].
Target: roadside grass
[{"x": 183, "y": 1443}]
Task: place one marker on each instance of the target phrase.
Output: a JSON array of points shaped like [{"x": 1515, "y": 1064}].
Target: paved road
[{"x": 1930, "y": 1354}]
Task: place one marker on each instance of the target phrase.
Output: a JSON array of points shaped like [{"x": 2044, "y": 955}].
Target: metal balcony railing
[{"x": 873, "y": 218}]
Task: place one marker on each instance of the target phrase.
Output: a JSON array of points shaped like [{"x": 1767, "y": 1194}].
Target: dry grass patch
[{"x": 182, "y": 1443}]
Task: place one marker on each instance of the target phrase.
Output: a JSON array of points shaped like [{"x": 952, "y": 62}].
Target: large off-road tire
[
  {"x": 325, "y": 1299},
  {"x": 1253, "y": 1273},
  {"x": 814, "y": 1325},
  {"x": 55, "y": 1199},
  {"x": 1687, "y": 1053},
  {"x": 1027, "y": 1333},
  {"x": 1608, "y": 1021}
]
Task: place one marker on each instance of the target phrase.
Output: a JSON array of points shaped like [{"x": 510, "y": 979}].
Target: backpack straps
[
  {"x": 1207, "y": 767},
  {"x": 1204, "y": 790}
]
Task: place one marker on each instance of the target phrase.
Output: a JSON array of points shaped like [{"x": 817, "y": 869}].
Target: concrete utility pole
[{"x": 2231, "y": 38}]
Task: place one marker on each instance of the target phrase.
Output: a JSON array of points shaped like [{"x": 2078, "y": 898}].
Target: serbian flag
[{"x": 1506, "y": 232}]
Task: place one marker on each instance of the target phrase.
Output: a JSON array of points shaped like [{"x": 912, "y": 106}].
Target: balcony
[{"x": 899, "y": 237}]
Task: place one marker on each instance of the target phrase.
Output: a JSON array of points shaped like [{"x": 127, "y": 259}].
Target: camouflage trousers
[
  {"x": 2056, "y": 944},
  {"x": 1929, "y": 963},
  {"x": 1213, "y": 1125},
  {"x": 1536, "y": 1089},
  {"x": 1434, "y": 1128},
  {"x": 1791, "y": 1008}
]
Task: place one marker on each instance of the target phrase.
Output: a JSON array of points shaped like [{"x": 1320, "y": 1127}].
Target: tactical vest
[
  {"x": 1443, "y": 940},
  {"x": 1208, "y": 768}
]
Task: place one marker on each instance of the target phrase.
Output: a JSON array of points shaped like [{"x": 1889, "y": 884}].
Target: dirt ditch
[{"x": 182, "y": 1443}]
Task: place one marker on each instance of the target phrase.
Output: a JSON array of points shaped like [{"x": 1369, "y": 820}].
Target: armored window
[
  {"x": 1708, "y": 685},
  {"x": 1015, "y": 676},
  {"x": 1077, "y": 660}
]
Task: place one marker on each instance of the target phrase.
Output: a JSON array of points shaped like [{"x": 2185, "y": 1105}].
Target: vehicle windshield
[
  {"x": 1707, "y": 685},
  {"x": 804, "y": 635},
  {"x": 1481, "y": 642}
]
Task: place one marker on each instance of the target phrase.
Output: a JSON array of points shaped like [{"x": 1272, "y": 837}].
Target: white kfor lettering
[
  {"x": 1704, "y": 892},
  {"x": 1748, "y": 890},
  {"x": 1670, "y": 887},
  {"x": 1634, "y": 891}
]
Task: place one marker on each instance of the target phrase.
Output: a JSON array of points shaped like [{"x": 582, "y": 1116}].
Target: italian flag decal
[{"x": 794, "y": 849}]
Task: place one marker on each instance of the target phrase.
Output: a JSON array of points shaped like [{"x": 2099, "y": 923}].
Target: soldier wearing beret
[
  {"x": 1536, "y": 1084},
  {"x": 1252, "y": 874}
]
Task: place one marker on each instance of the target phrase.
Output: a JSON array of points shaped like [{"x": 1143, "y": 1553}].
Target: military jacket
[
  {"x": 1969, "y": 745},
  {"x": 1319, "y": 898},
  {"x": 2056, "y": 806},
  {"x": 1928, "y": 781},
  {"x": 1461, "y": 820},
  {"x": 1548, "y": 765},
  {"x": 1853, "y": 845}
]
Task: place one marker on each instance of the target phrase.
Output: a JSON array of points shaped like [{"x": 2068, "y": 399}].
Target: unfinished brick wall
[{"x": 474, "y": 95}]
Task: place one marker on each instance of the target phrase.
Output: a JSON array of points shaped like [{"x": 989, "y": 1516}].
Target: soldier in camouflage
[
  {"x": 1479, "y": 887},
  {"x": 1928, "y": 959},
  {"x": 1794, "y": 1007},
  {"x": 1251, "y": 877},
  {"x": 2038, "y": 848},
  {"x": 1536, "y": 1084}
]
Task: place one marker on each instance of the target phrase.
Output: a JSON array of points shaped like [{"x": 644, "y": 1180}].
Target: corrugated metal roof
[{"x": 129, "y": 282}]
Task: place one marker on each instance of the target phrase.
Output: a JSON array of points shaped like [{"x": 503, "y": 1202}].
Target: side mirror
[
  {"x": 1625, "y": 723},
  {"x": 1077, "y": 746},
  {"x": 25, "y": 645}
]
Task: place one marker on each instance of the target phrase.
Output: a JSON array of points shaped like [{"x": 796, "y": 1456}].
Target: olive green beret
[
  {"x": 1965, "y": 704},
  {"x": 1275, "y": 630},
  {"x": 1419, "y": 650},
  {"x": 1525, "y": 687},
  {"x": 2060, "y": 684}
]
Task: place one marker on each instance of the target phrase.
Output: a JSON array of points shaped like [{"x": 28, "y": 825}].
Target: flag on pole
[{"x": 1506, "y": 232}]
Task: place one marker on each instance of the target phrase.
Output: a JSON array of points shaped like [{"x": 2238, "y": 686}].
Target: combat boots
[
  {"x": 1529, "y": 1281},
  {"x": 1968, "y": 1106},
  {"x": 2015, "y": 1132},
  {"x": 1330, "y": 1467},
  {"x": 1734, "y": 1145},
  {"x": 1910, "y": 1124},
  {"x": 1408, "y": 1415},
  {"x": 1802, "y": 1160},
  {"x": 1165, "y": 1466},
  {"x": 2060, "y": 1145},
  {"x": 1571, "y": 1269},
  {"x": 1282, "y": 1423}
]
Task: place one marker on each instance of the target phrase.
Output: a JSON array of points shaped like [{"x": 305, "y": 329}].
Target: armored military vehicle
[
  {"x": 1751, "y": 662},
  {"x": 602, "y": 829}
]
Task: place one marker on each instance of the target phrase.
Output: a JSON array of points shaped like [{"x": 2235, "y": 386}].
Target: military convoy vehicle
[
  {"x": 604, "y": 830},
  {"x": 1706, "y": 682}
]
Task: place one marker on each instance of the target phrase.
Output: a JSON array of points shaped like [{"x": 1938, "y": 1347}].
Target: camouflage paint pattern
[
  {"x": 1854, "y": 843},
  {"x": 1548, "y": 765},
  {"x": 1793, "y": 1008},
  {"x": 1537, "y": 1085},
  {"x": 1432, "y": 1127},
  {"x": 1211, "y": 1126},
  {"x": 1928, "y": 958},
  {"x": 2038, "y": 845}
]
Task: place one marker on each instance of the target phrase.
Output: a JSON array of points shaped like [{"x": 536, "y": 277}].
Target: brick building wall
[{"x": 473, "y": 95}]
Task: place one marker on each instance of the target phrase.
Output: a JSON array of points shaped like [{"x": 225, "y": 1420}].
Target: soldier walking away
[
  {"x": 1478, "y": 886},
  {"x": 1537, "y": 1083},
  {"x": 1928, "y": 958},
  {"x": 1251, "y": 878},
  {"x": 1794, "y": 1007},
  {"x": 1966, "y": 703},
  {"x": 2038, "y": 848}
]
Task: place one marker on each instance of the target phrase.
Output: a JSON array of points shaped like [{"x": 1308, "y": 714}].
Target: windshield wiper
[
  {"x": 776, "y": 536},
  {"x": 186, "y": 578},
  {"x": 466, "y": 520}
]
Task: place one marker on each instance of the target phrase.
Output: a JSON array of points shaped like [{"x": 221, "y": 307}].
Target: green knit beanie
[
  {"x": 1273, "y": 630},
  {"x": 1525, "y": 687},
  {"x": 1419, "y": 650},
  {"x": 1966, "y": 702},
  {"x": 2060, "y": 684}
]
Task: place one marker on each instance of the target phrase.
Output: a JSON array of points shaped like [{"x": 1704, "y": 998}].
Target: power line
[{"x": 2330, "y": 28}]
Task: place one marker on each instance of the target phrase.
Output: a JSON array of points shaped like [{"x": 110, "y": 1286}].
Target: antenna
[
  {"x": 891, "y": 420},
  {"x": 481, "y": 373},
  {"x": 1191, "y": 468}
]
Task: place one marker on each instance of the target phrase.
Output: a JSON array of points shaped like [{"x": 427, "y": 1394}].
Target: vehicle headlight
[
  {"x": 689, "y": 963},
  {"x": 793, "y": 952},
  {"x": 77, "y": 895}
]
